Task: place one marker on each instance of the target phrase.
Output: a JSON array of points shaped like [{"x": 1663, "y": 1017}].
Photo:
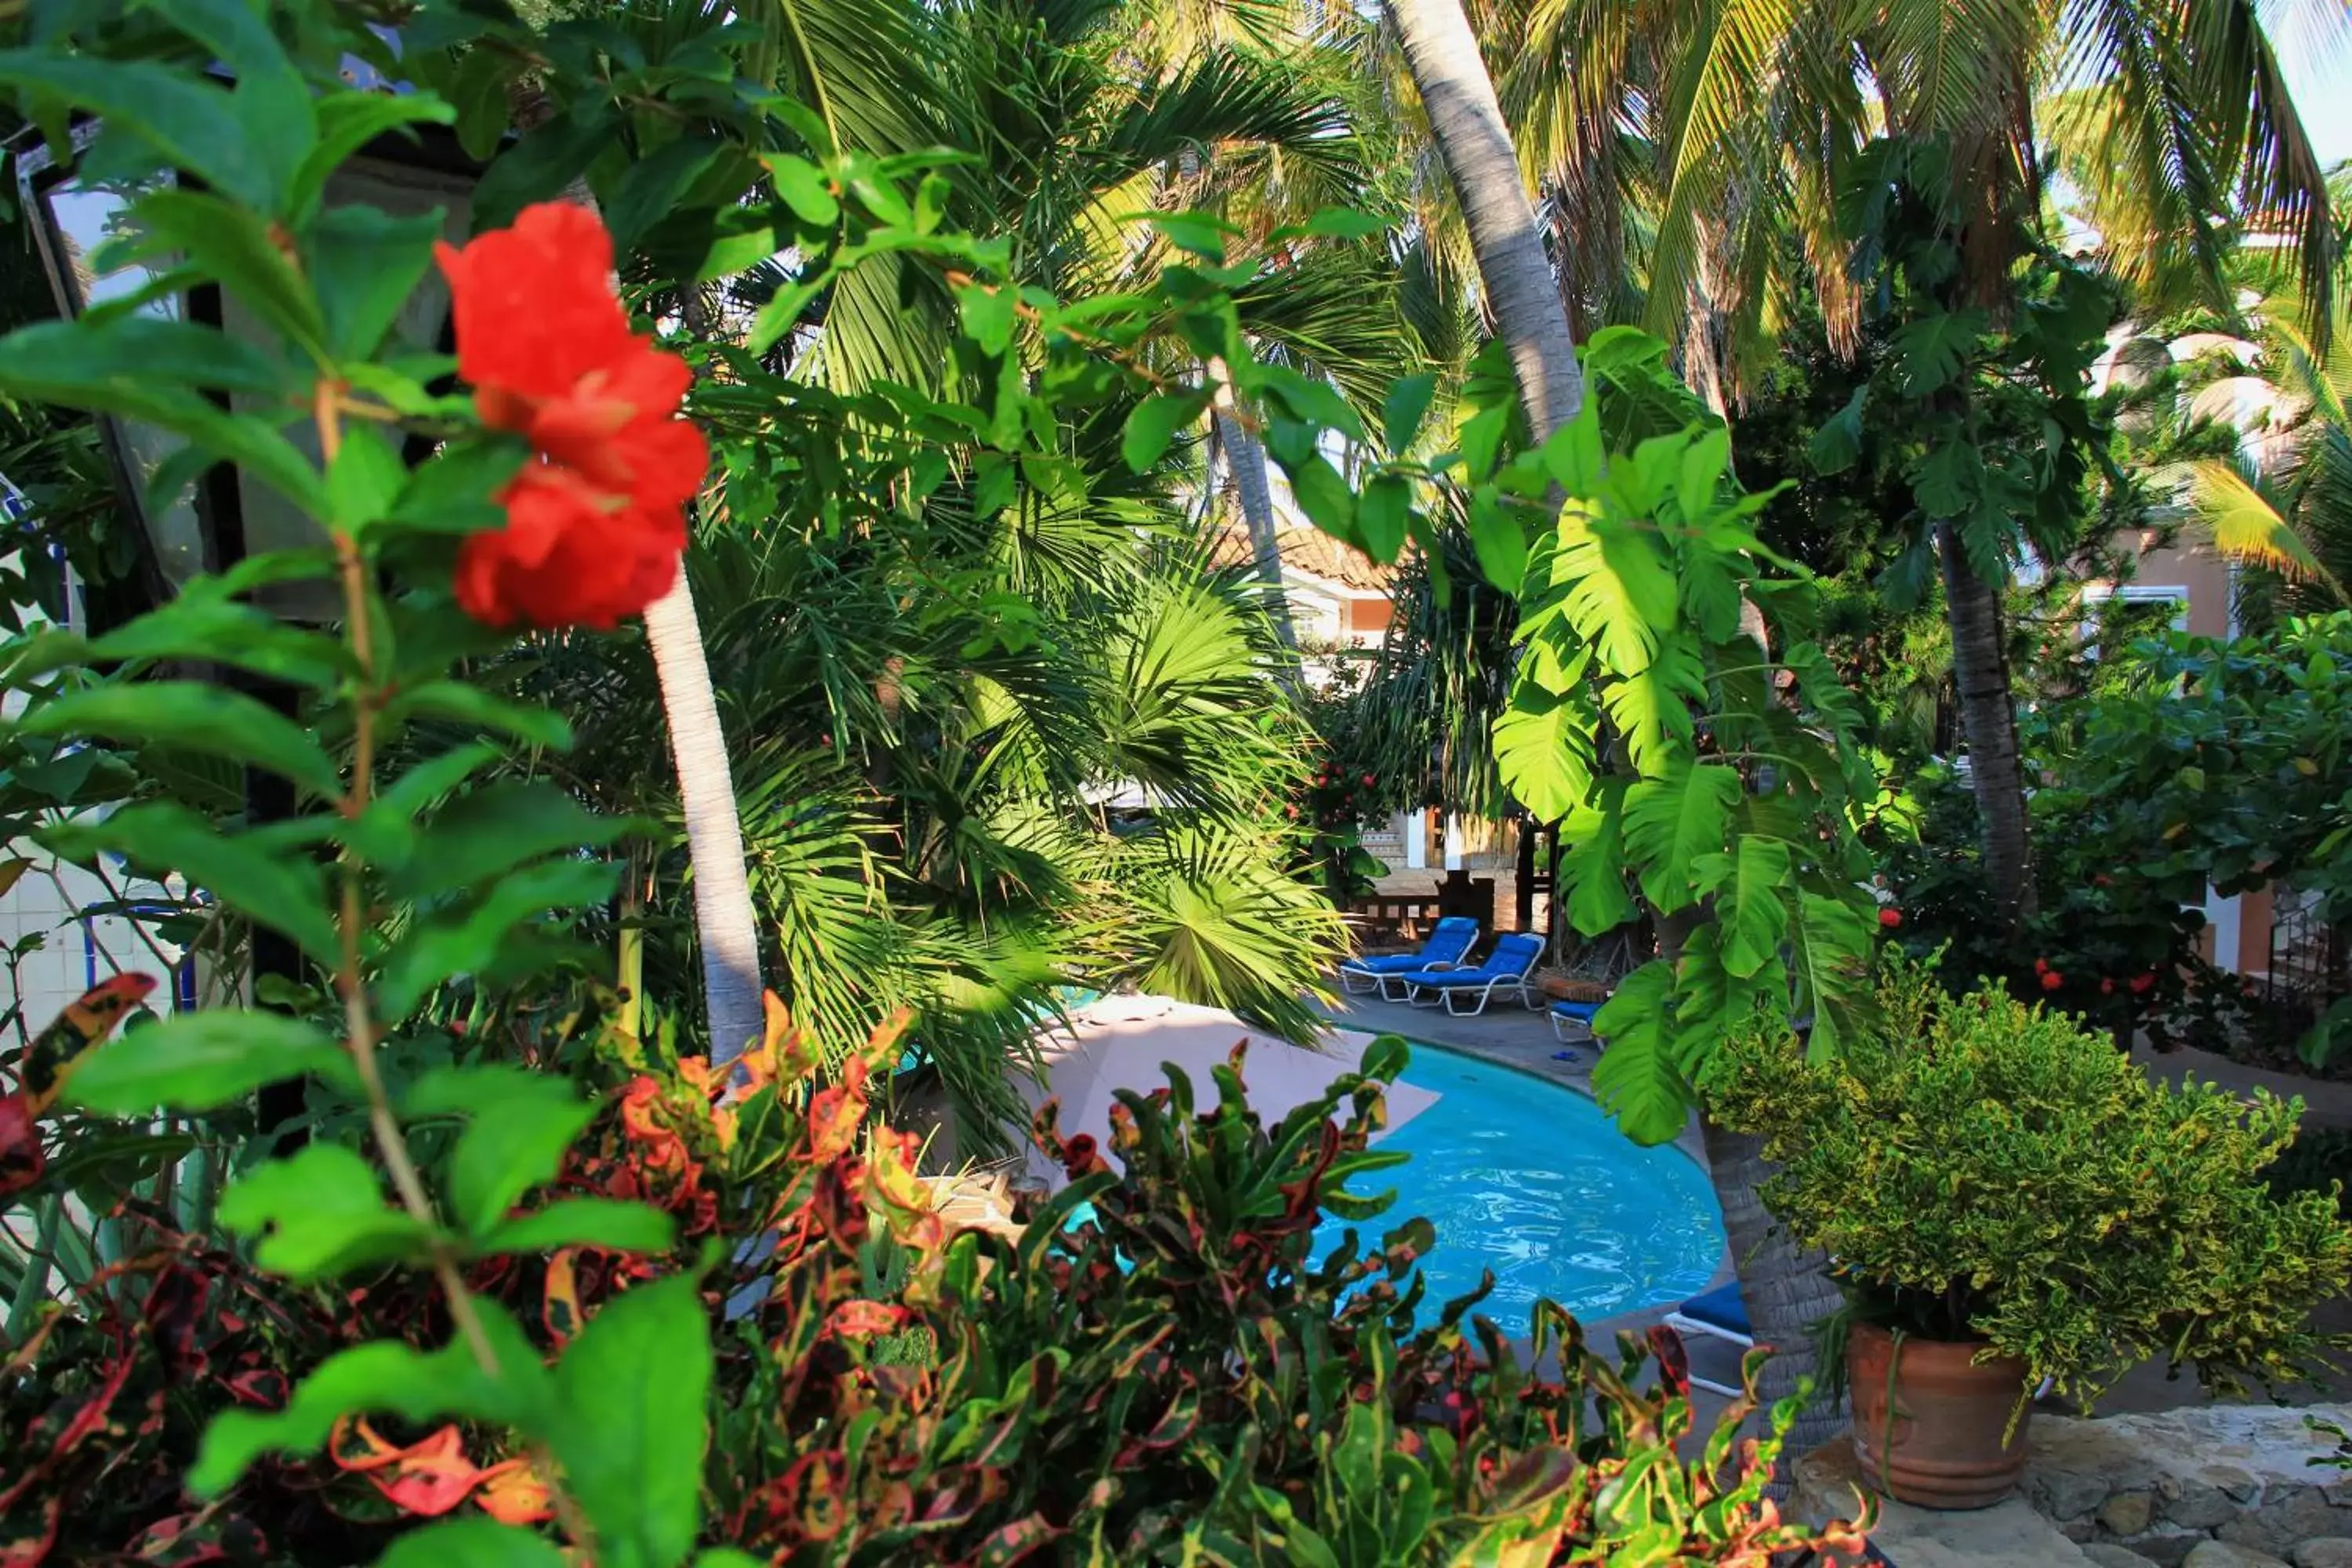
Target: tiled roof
[{"x": 1310, "y": 551}]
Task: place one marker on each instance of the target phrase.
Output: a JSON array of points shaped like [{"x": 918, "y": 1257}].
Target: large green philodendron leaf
[
  {"x": 1671, "y": 821},
  {"x": 1637, "y": 1080},
  {"x": 1543, "y": 743}
]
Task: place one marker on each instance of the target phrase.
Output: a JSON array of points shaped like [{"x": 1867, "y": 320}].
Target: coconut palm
[
  {"x": 1756, "y": 110},
  {"x": 2284, "y": 504}
]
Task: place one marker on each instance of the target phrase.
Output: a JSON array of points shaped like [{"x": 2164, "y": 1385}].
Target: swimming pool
[{"x": 1535, "y": 1182}]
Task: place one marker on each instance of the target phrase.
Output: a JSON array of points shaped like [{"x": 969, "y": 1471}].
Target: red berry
[
  {"x": 2052, "y": 980},
  {"x": 1890, "y": 919},
  {"x": 1367, "y": 780}
]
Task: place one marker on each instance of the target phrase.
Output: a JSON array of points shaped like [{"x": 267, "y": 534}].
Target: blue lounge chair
[
  {"x": 1505, "y": 969},
  {"x": 1719, "y": 1314},
  {"x": 1576, "y": 1016},
  {"x": 1449, "y": 938}
]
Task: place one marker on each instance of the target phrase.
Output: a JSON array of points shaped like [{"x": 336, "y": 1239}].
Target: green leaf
[
  {"x": 1543, "y": 746},
  {"x": 386, "y": 1376},
  {"x": 989, "y": 315},
  {"x": 1620, "y": 597},
  {"x": 1322, "y": 494},
  {"x": 365, "y": 266},
  {"x": 1837, "y": 444},
  {"x": 584, "y": 1222},
  {"x": 364, "y": 479},
  {"x": 349, "y": 121},
  {"x": 190, "y": 124},
  {"x": 1404, "y": 409},
  {"x": 1710, "y": 591},
  {"x": 194, "y": 714},
  {"x": 474, "y": 1543},
  {"x": 1750, "y": 906},
  {"x": 1927, "y": 353},
  {"x": 517, "y": 1125},
  {"x": 491, "y": 830},
  {"x": 480, "y": 95},
  {"x": 804, "y": 189},
  {"x": 653, "y": 186},
  {"x": 1574, "y": 455},
  {"x": 74, "y": 361},
  {"x": 1833, "y": 938},
  {"x": 1671, "y": 821},
  {"x": 1946, "y": 478},
  {"x": 1593, "y": 868},
  {"x": 270, "y": 102},
  {"x": 1636, "y": 1079},
  {"x": 634, "y": 1387},
  {"x": 1652, "y": 709},
  {"x": 233, "y": 246},
  {"x": 451, "y": 492},
  {"x": 1703, "y": 463},
  {"x": 198, "y": 1061},
  {"x": 1154, "y": 423},
  {"x": 547, "y": 159},
  {"x": 202, "y": 625},
  {"x": 1383, "y": 516},
  {"x": 317, "y": 1214},
  {"x": 1202, "y": 233},
  {"x": 1499, "y": 539},
  {"x": 1824, "y": 693},
  {"x": 433, "y": 950},
  {"x": 461, "y": 702},
  {"x": 1346, "y": 223}
]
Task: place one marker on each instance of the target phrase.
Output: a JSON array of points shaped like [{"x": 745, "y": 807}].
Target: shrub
[
  {"x": 1985, "y": 1170},
  {"x": 1176, "y": 1378}
]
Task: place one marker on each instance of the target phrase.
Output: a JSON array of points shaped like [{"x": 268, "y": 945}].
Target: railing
[{"x": 1381, "y": 917}]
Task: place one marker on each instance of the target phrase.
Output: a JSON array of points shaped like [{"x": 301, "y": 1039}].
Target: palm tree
[
  {"x": 723, "y": 916},
  {"x": 2164, "y": 114},
  {"x": 2284, "y": 504},
  {"x": 1466, "y": 123},
  {"x": 724, "y": 919}
]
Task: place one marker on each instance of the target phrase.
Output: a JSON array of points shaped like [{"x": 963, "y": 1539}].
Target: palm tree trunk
[
  {"x": 726, "y": 929},
  {"x": 1988, "y": 718},
  {"x": 1245, "y": 457},
  {"x": 1442, "y": 55},
  {"x": 1787, "y": 1290}
]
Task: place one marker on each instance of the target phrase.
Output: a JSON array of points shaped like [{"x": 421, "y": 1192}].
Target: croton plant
[{"x": 519, "y": 1288}]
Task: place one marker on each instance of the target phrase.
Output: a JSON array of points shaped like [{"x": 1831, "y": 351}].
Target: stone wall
[{"x": 2160, "y": 1486}]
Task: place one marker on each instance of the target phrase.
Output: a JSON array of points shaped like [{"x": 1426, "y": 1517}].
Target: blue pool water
[{"x": 1534, "y": 1182}]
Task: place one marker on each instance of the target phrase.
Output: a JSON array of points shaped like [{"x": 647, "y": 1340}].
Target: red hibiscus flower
[
  {"x": 2052, "y": 980},
  {"x": 596, "y": 522},
  {"x": 1890, "y": 919}
]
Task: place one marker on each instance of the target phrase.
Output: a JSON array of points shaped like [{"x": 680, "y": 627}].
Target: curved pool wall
[{"x": 1533, "y": 1181}]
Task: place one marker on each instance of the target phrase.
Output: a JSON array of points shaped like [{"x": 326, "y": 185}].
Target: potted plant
[{"x": 2009, "y": 1202}]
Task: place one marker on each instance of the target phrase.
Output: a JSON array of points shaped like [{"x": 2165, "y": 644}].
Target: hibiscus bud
[
  {"x": 1890, "y": 919},
  {"x": 2041, "y": 966},
  {"x": 2143, "y": 984}
]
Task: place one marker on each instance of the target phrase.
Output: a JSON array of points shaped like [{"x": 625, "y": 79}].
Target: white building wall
[{"x": 73, "y": 951}]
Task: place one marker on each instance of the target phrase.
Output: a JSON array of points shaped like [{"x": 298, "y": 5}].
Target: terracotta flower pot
[{"x": 1946, "y": 1449}]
